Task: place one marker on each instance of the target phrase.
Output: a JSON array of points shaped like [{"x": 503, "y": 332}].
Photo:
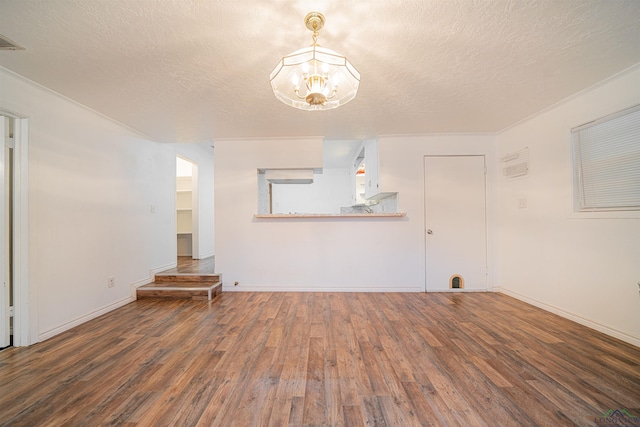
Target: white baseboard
[
  {"x": 288, "y": 288},
  {"x": 574, "y": 317},
  {"x": 90, "y": 316},
  {"x": 142, "y": 282},
  {"x": 207, "y": 255},
  {"x": 150, "y": 278},
  {"x": 163, "y": 268},
  {"x": 136, "y": 285}
]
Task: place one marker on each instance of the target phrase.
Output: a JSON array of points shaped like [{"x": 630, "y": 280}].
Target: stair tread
[
  {"x": 204, "y": 278},
  {"x": 187, "y": 274},
  {"x": 179, "y": 285},
  {"x": 182, "y": 285}
]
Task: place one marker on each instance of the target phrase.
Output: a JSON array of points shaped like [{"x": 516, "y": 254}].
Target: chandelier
[{"x": 314, "y": 78}]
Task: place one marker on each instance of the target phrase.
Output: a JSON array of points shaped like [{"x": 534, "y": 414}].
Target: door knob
[{"x": 429, "y": 231}]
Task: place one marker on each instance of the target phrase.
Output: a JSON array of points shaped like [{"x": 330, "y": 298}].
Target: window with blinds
[{"x": 606, "y": 154}]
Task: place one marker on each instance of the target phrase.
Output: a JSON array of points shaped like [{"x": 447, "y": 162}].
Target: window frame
[{"x": 577, "y": 172}]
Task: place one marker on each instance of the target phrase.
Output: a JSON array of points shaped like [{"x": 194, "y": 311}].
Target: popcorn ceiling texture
[{"x": 194, "y": 71}]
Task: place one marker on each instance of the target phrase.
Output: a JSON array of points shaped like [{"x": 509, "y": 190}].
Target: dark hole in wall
[{"x": 455, "y": 282}]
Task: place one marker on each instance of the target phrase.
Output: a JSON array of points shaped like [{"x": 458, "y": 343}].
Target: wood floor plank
[
  {"x": 188, "y": 265},
  {"x": 297, "y": 411},
  {"x": 315, "y": 408},
  {"x": 420, "y": 405},
  {"x": 479, "y": 392},
  {"x": 322, "y": 359},
  {"x": 294, "y": 351},
  {"x": 444, "y": 415},
  {"x": 352, "y": 416},
  {"x": 373, "y": 411}
]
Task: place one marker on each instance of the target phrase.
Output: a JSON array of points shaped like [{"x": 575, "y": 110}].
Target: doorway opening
[{"x": 187, "y": 208}]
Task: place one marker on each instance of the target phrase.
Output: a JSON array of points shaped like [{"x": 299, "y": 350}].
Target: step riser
[
  {"x": 211, "y": 278},
  {"x": 196, "y": 295},
  {"x": 200, "y": 294}
]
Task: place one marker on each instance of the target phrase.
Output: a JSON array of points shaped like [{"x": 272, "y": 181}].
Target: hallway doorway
[{"x": 187, "y": 208}]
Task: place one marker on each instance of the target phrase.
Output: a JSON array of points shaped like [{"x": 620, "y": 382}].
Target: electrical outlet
[
  {"x": 522, "y": 203},
  {"x": 111, "y": 281}
]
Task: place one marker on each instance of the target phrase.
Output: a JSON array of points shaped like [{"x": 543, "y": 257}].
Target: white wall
[
  {"x": 364, "y": 254},
  {"x": 402, "y": 170},
  {"x": 329, "y": 191},
  {"x": 583, "y": 266},
  {"x": 91, "y": 186},
  {"x": 202, "y": 155}
]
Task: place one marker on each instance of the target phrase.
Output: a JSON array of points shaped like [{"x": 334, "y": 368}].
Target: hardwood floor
[
  {"x": 188, "y": 265},
  {"x": 293, "y": 359}
]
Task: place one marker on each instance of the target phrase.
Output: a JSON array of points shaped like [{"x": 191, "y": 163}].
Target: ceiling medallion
[{"x": 315, "y": 78}]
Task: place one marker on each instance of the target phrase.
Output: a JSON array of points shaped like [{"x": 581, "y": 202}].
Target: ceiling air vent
[{"x": 8, "y": 44}]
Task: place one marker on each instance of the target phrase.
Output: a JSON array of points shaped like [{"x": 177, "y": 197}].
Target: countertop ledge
[{"x": 349, "y": 215}]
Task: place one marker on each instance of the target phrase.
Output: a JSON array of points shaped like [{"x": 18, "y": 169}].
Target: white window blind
[{"x": 606, "y": 156}]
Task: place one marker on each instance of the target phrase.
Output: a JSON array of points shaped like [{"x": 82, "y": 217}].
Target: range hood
[{"x": 289, "y": 176}]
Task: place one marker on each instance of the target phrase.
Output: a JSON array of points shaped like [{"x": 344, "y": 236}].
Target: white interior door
[
  {"x": 455, "y": 222},
  {"x": 4, "y": 238}
]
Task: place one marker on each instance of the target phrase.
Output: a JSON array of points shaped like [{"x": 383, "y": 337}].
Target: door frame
[
  {"x": 195, "y": 213},
  {"x": 487, "y": 210},
  {"x": 5, "y": 279},
  {"x": 195, "y": 207},
  {"x": 24, "y": 321}
]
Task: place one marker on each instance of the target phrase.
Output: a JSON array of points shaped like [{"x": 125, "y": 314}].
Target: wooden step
[
  {"x": 185, "y": 277},
  {"x": 181, "y": 289}
]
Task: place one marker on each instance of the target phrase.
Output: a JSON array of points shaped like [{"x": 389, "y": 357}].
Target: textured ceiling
[{"x": 196, "y": 71}]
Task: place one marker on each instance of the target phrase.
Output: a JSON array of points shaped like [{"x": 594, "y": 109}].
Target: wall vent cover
[
  {"x": 8, "y": 44},
  {"x": 516, "y": 164}
]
